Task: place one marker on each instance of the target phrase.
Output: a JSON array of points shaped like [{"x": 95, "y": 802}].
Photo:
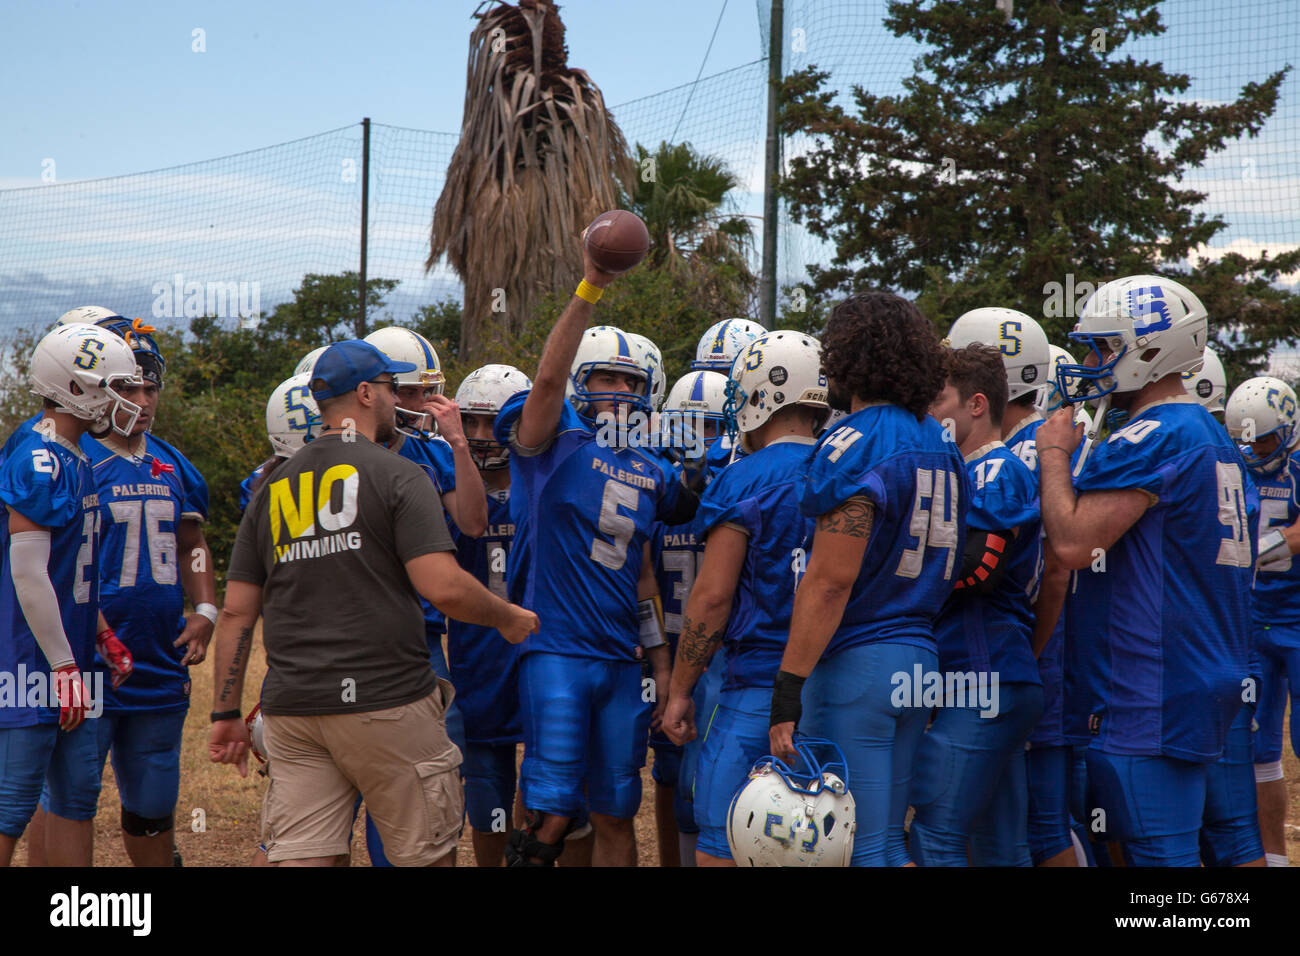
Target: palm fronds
[{"x": 539, "y": 157}]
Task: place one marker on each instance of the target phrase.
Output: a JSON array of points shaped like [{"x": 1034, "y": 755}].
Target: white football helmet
[
  {"x": 308, "y": 363},
  {"x": 1049, "y": 397},
  {"x": 483, "y": 392},
  {"x": 292, "y": 417},
  {"x": 1209, "y": 386},
  {"x": 783, "y": 818},
  {"x": 255, "y": 732},
  {"x": 87, "y": 315},
  {"x": 1260, "y": 407},
  {"x": 1152, "y": 327},
  {"x": 722, "y": 342},
  {"x": 699, "y": 394},
  {"x": 605, "y": 348},
  {"x": 653, "y": 360},
  {"x": 93, "y": 361},
  {"x": 775, "y": 370},
  {"x": 405, "y": 345},
  {"x": 1021, "y": 340}
]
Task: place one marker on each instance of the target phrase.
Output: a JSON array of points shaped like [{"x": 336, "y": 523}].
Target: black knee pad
[{"x": 137, "y": 825}]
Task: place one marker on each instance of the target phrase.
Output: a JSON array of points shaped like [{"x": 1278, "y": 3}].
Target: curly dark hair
[{"x": 879, "y": 347}]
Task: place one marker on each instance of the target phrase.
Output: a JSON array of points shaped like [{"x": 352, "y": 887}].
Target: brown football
[{"x": 617, "y": 240}]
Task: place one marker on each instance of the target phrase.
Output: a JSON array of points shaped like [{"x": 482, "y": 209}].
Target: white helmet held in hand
[
  {"x": 1260, "y": 407},
  {"x": 1209, "y": 386},
  {"x": 292, "y": 417},
  {"x": 308, "y": 363},
  {"x": 778, "y": 369},
  {"x": 722, "y": 342},
  {"x": 1026, "y": 355},
  {"x": 653, "y": 360},
  {"x": 79, "y": 367},
  {"x": 483, "y": 392},
  {"x": 780, "y": 817}
]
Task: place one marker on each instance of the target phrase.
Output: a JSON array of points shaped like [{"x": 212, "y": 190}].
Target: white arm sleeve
[{"x": 29, "y": 561}]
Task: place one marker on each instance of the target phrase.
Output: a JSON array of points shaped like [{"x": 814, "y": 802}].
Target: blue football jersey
[
  {"x": 50, "y": 483},
  {"x": 434, "y": 455},
  {"x": 1277, "y": 589},
  {"x": 1158, "y": 627},
  {"x": 484, "y": 665},
  {"x": 19, "y": 434},
  {"x": 142, "y": 503},
  {"x": 917, "y": 484},
  {"x": 1059, "y": 712},
  {"x": 677, "y": 555},
  {"x": 993, "y": 633},
  {"x": 582, "y": 514},
  {"x": 246, "y": 487},
  {"x": 759, "y": 494}
]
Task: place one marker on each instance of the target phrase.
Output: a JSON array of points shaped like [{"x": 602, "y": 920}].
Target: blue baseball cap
[{"x": 345, "y": 365}]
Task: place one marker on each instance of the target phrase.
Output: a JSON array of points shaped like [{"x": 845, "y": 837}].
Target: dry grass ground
[{"x": 231, "y": 804}]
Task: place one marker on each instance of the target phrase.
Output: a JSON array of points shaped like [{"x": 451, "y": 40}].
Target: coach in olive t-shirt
[{"x": 327, "y": 539}]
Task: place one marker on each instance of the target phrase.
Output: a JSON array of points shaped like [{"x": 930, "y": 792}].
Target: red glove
[
  {"x": 72, "y": 696},
  {"x": 115, "y": 655}
]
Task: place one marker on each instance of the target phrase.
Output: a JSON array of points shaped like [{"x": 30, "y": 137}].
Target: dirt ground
[{"x": 228, "y": 806}]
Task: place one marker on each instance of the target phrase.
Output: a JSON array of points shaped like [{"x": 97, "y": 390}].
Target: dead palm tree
[{"x": 539, "y": 157}]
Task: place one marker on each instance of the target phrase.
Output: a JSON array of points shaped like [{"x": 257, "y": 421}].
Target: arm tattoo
[
  {"x": 694, "y": 646},
  {"x": 242, "y": 646},
  {"x": 852, "y": 518}
]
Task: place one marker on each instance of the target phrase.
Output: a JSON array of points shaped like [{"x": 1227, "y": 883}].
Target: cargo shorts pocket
[
  {"x": 446, "y": 693},
  {"x": 444, "y": 798}
]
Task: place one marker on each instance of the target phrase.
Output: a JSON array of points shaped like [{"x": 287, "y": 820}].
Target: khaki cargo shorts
[{"x": 400, "y": 760}]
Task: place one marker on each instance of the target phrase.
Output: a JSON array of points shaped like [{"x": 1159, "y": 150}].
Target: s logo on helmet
[
  {"x": 87, "y": 356},
  {"x": 1284, "y": 404},
  {"x": 1154, "y": 306},
  {"x": 1009, "y": 332}
]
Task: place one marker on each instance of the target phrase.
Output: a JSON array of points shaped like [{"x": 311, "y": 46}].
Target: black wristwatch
[{"x": 226, "y": 715}]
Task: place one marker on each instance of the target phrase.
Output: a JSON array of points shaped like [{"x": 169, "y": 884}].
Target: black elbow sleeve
[{"x": 984, "y": 563}]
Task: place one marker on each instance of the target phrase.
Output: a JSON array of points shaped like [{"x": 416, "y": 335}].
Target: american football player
[
  {"x": 970, "y": 785},
  {"x": 755, "y": 542},
  {"x": 889, "y": 492},
  {"x": 484, "y": 668},
  {"x": 1262, "y": 416},
  {"x": 582, "y": 510},
  {"x": 49, "y": 591},
  {"x": 1135, "y": 524}
]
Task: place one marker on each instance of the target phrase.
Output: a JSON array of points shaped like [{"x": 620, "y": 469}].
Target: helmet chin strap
[{"x": 1090, "y": 436}]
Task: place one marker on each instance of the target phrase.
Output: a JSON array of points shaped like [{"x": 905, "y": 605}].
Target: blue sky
[
  {"x": 111, "y": 88},
  {"x": 104, "y": 89}
]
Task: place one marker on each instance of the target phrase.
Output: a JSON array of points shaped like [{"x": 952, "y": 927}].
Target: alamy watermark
[
  {"x": 191, "y": 300},
  {"x": 681, "y": 430},
  {"x": 39, "y": 689},
  {"x": 977, "y": 690}
]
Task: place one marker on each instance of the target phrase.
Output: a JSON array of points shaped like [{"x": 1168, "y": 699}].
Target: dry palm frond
[{"x": 539, "y": 157}]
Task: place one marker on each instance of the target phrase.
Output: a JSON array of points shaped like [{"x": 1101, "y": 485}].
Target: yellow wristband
[{"x": 588, "y": 292}]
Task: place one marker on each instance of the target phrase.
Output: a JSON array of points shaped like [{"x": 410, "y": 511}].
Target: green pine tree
[{"x": 1027, "y": 149}]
